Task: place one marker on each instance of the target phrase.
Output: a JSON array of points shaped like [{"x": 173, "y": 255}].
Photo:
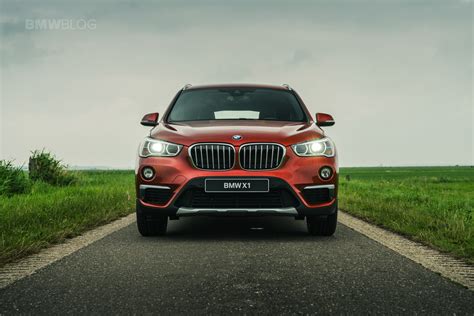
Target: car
[{"x": 237, "y": 150}]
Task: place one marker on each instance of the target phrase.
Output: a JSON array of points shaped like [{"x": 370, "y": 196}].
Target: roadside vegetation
[
  {"x": 12, "y": 179},
  {"x": 50, "y": 203},
  {"x": 43, "y": 166},
  {"x": 433, "y": 205}
]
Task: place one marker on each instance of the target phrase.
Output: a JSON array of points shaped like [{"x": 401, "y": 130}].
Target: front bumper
[{"x": 297, "y": 179}]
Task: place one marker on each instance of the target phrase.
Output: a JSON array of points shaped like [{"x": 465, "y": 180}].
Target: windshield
[{"x": 236, "y": 104}]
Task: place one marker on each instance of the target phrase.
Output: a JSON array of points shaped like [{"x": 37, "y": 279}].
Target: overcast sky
[{"x": 396, "y": 75}]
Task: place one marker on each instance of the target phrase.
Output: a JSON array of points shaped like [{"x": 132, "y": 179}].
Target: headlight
[
  {"x": 158, "y": 148},
  {"x": 319, "y": 147}
]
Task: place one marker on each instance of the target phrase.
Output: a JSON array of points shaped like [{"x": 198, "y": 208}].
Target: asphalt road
[{"x": 223, "y": 266}]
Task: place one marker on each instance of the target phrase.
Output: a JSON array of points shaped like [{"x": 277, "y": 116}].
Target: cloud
[{"x": 388, "y": 71}]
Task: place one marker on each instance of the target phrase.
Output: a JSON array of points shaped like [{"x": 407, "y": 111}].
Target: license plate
[{"x": 236, "y": 185}]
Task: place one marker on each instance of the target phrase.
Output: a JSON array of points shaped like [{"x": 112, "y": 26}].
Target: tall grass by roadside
[
  {"x": 433, "y": 205},
  {"x": 13, "y": 180},
  {"x": 49, "y": 214},
  {"x": 44, "y": 166}
]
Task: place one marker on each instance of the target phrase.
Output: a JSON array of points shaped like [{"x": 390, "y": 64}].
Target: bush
[
  {"x": 43, "y": 166},
  {"x": 12, "y": 179}
]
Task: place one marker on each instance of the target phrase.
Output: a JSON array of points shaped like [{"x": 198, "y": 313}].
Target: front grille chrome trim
[
  {"x": 200, "y": 151},
  {"x": 249, "y": 162}
]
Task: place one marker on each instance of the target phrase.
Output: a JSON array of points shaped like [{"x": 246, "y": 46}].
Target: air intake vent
[
  {"x": 261, "y": 156},
  {"x": 157, "y": 196},
  {"x": 197, "y": 198},
  {"x": 317, "y": 195},
  {"x": 212, "y": 156}
]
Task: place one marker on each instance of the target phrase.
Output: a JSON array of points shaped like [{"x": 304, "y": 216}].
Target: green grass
[
  {"x": 47, "y": 215},
  {"x": 433, "y": 205}
]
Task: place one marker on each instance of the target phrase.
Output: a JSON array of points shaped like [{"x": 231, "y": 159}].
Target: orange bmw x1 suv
[{"x": 237, "y": 150}]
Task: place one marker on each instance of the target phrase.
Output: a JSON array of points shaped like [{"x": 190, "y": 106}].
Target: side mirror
[
  {"x": 150, "y": 119},
  {"x": 323, "y": 119}
]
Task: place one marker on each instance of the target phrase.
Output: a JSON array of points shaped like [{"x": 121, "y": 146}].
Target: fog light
[
  {"x": 148, "y": 173},
  {"x": 325, "y": 173}
]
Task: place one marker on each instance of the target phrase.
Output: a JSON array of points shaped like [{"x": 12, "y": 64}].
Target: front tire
[
  {"x": 318, "y": 226},
  {"x": 147, "y": 225}
]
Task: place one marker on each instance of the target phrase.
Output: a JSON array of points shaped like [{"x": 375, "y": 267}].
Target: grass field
[
  {"x": 431, "y": 205},
  {"x": 29, "y": 222},
  {"x": 434, "y": 205}
]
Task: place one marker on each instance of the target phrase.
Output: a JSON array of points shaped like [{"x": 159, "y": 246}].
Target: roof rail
[
  {"x": 187, "y": 86},
  {"x": 287, "y": 86}
]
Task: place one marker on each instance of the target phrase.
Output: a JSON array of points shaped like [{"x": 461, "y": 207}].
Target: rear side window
[{"x": 236, "y": 104}]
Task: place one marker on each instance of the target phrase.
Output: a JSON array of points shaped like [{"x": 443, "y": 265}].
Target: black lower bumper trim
[{"x": 193, "y": 196}]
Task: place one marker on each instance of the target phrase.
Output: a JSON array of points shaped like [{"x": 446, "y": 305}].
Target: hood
[{"x": 188, "y": 133}]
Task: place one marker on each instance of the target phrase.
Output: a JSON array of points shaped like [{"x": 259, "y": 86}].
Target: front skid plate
[{"x": 187, "y": 211}]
